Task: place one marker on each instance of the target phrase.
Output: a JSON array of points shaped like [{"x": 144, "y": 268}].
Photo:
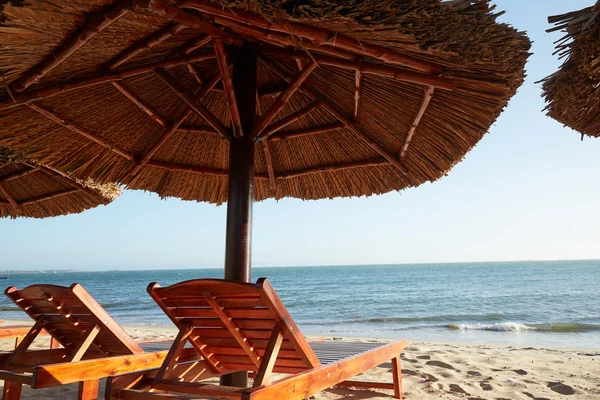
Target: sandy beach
[{"x": 440, "y": 371}]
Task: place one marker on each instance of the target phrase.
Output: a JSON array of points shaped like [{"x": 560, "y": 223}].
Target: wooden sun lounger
[
  {"x": 94, "y": 346},
  {"x": 245, "y": 327}
]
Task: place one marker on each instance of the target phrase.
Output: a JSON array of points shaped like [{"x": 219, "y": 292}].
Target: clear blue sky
[{"x": 529, "y": 190}]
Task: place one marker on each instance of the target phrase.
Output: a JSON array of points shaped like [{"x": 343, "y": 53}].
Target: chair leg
[
  {"x": 88, "y": 390},
  {"x": 397, "y": 375},
  {"x": 12, "y": 390}
]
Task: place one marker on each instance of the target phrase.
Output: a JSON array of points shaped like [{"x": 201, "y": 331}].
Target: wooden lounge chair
[
  {"x": 245, "y": 327},
  {"x": 94, "y": 346}
]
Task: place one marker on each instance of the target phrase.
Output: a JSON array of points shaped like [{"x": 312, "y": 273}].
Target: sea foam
[{"x": 502, "y": 326}]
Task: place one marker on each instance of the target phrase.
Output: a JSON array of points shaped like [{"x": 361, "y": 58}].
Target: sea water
[{"x": 551, "y": 303}]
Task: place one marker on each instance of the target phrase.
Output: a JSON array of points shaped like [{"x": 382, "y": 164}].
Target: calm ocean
[{"x": 553, "y": 303}]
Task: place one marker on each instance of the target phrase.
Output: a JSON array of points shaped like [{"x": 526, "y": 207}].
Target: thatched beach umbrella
[
  {"x": 32, "y": 190},
  {"x": 572, "y": 92},
  {"x": 337, "y": 98}
]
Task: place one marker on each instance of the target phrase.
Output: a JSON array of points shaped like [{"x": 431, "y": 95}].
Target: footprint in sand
[
  {"x": 424, "y": 357},
  {"x": 561, "y": 388},
  {"x": 440, "y": 364},
  {"x": 408, "y": 372},
  {"x": 533, "y": 397},
  {"x": 473, "y": 373},
  {"x": 520, "y": 371},
  {"x": 429, "y": 377},
  {"x": 485, "y": 386},
  {"x": 454, "y": 388}
]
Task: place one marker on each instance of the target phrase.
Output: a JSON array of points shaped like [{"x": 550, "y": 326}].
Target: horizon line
[{"x": 299, "y": 266}]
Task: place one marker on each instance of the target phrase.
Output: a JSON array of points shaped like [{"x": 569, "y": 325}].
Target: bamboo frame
[
  {"x": 366, "y": 67},
  {"x": 19, "y": 174},
  {"x": 175, "y": 14},
  {"x": 25, "y": 98},
  {"x": 151, "y": 113},
  {"x": 279, "y": 39},
  {"x": 357, "y": 95},
  {"x": 197, "y": 43},
  {"x": 188, "y": 168},
  {"x": 193, "y": 102},
  {"x": 194, "y": 72},
  {"x": 68, "y": 125},
  {"x": 48, "y": 197},
  {"x": 8, "y": 197},
  {"x": 154, "y": 148},
  {"x": 270, "y": 169},
  {"x": 413, "y": 128},
  {"x": 282, "y": 123},
  {"x": 342, "y": 117},
  {"x": 93, "y": 25},
  {"x": 145, "y": 44},
  {"x": 333, "y": 168},
  {"x": 209, "y": 86},
  {"x": 306, "y": 132},
  {"x": 320, "y": 36},
  {"x": 228, "y": 88},
  {"x": 75, "y": 187},
  {"x": 198, "y": 129},
  {"x": 283, "y": 98},
  {"x": 70, "y": 181}
]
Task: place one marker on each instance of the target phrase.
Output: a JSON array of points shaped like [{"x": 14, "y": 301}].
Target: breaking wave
[{"x": 561, "y": 327}]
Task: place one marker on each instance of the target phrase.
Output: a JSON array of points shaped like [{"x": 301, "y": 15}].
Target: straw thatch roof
[
  {"x": 32, "y": 190},
  {"x": 402, "y": 91},
  {"x": 571, "y": 92}
]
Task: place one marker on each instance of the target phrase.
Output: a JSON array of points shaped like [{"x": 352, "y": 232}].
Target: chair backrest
[
  {"x": 69, "y": 314},
  {"x": 231, "y": 323}
]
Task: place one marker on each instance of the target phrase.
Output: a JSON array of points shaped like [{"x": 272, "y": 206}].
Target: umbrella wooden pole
[{"x": 238, "y": 246}]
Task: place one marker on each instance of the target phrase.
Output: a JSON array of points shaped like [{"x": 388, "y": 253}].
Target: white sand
[{"x": 441, "y": 371}]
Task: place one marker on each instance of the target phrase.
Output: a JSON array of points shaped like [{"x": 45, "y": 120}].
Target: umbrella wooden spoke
[
  {"x": 25, "y": 98},
  {"x": 196, "y": 43},
  {"x": 17, "y": 175},
  {"x": 269, "y": 160},
  {"x": 413, "y": 128},
  {"x": 357, "y": 94},
  {"x": 367, "y": 68},
  {"x": 151, "y": 113},
  {"x": 8, "y": 197},
  {"x": 344, "y": 119},
  {"x": 283, "y": 98},
  {"x": 282, "y": 123},
  {"x": 374, "y": 162},
  {"x": 195, "y": 73},
  {"x": 162, "y": 9},
  {"x": 336, "y": 126},
  {"x": 93, "y": 26},
  {"x": 152, "y": 150},
  {"x": 193, "y": 102},
  {"x": 320, "y": 36},
  {"x": 145, "y": 44},
  {"x": 228, "y": 88},
  {"x": 74, "y": 128}
]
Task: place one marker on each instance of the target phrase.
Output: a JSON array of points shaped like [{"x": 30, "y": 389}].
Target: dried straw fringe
[{"x": 571, "y": 92}]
